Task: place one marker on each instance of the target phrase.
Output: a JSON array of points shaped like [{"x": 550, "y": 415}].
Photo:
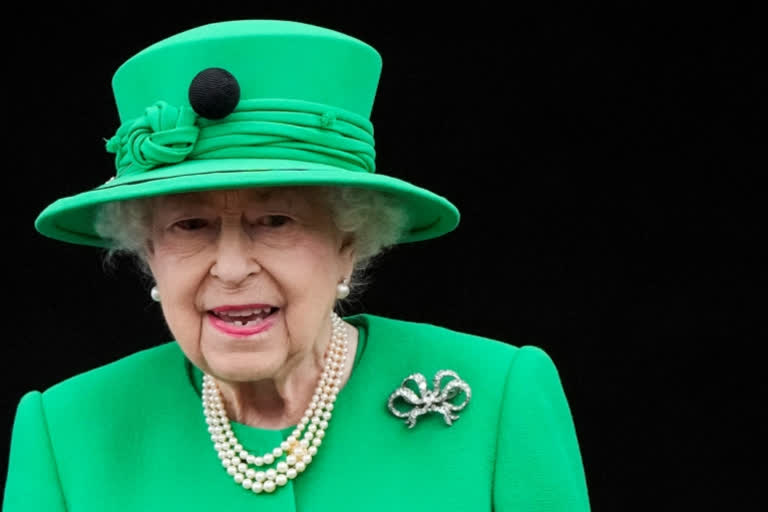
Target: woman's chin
[{"x": 242, "y": 359}]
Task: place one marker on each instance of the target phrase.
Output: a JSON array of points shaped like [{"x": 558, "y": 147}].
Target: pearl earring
[
  {"x": 154, "y": 294},
  {"x": 342, "y": 290}
]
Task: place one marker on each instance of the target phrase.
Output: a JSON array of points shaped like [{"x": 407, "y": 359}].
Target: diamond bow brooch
[{"x": 429, "y": 400}]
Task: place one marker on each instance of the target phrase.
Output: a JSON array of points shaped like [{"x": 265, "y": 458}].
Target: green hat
[{"x": 251, "y": 103}]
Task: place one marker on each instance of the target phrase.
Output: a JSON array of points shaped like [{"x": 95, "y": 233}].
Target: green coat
[{"x": 131, "y": 435}]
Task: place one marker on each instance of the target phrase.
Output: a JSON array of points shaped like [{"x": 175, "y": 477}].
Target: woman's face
[{"x": 247, "y": 278}]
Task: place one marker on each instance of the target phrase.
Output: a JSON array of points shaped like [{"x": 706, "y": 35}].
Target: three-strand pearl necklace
[{"x": 295, "y": 453}]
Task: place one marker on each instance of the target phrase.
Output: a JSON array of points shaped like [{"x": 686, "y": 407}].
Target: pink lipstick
[{"x": 242, "y": 320}]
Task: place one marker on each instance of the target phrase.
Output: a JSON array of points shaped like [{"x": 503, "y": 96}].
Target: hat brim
[{"x": 71, "y": 219}]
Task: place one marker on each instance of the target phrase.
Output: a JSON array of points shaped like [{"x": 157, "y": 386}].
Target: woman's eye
[
  {"x": 274, "y": 221},
  {"x": 191, "y": 224}
]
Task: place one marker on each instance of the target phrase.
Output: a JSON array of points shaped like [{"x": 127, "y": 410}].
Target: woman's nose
[{"x": 235, "y": 261}]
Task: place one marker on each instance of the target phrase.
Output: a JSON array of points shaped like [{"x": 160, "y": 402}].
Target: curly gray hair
[{"x": 375, "y": 219}]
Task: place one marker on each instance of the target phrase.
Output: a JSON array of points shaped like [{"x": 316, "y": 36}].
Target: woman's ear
[
  {"x": 348, "y": 252},
  {"x": 149, "y": 252}
]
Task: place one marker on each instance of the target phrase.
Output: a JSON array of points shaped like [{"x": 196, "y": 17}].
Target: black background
[{"x": 605, "y": 163}]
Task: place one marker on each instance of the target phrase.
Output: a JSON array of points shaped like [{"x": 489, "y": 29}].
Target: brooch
[{"x": 434, "y": 400}]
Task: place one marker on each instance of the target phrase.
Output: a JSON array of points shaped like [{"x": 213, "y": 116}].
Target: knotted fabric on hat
[
  {"x": 258, "y": 128},
  {"x": 163, "y": 135}
]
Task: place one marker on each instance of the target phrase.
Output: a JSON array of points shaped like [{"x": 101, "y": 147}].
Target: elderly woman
[{"x": 245, "y": 187}]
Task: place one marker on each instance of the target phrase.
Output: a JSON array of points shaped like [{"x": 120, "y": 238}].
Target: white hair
[{"x": 375, "y": 219}]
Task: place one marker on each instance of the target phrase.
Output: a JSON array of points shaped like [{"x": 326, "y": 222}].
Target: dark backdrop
[{"x": 602, "y": 160}]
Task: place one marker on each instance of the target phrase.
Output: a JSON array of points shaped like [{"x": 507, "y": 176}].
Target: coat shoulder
[
  {"x": 432, "y": 337},
  {"x": 130, "y": 378},
  {"x": 428, "y": 348}
]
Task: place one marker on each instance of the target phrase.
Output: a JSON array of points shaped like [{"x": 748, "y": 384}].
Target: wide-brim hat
[{"x": 250, "y": 103}]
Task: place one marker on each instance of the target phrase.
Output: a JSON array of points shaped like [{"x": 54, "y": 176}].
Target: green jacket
[{"x": 131, "y": 435}]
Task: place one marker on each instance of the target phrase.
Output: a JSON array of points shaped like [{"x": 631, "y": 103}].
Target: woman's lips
[
  {"x": 242, "y": 321},
  {"x": 241, "y": 307}
]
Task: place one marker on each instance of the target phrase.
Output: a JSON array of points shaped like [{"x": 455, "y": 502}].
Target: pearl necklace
[{"x": 298, "y": 451}]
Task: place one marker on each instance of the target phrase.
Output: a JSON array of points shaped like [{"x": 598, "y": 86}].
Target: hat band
[{"x": 258, "y": 128}]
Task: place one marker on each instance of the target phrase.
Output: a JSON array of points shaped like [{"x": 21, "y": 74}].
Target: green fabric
[
  {"x": 306, "y": 95},
  {"x": 131, "y": 436},
  {"x": 166, "y": 134}
]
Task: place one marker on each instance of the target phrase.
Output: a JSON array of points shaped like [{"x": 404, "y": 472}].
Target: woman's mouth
[{"x": 242, "y": 320}]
